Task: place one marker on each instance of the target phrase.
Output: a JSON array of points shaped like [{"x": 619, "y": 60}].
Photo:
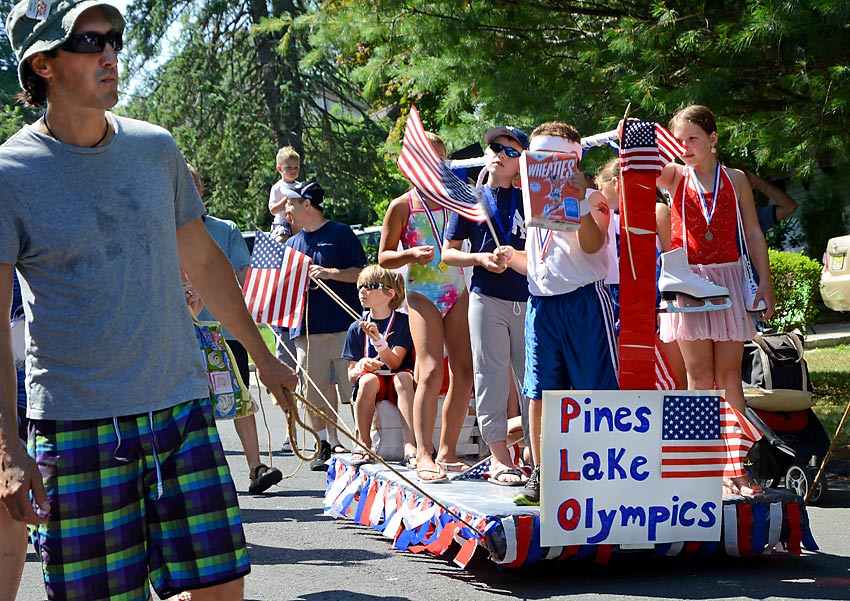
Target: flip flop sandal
[
  {"x": 263, "y": 478},
  {"x": 409, "y": 461},
  {"x": 453, "y": 466},
  {"x": 746, "y": 489},
  {"x": 365, "y": 459},
  {"x": 338, "y": 449},
  {"x": 494, "y": 478},
  {"x": 443, "y": 479}
]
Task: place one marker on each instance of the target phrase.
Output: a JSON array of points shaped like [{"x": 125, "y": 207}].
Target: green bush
[{"x": 796, "y": 279}]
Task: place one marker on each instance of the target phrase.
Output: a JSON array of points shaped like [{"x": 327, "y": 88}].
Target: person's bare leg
[
  {"x": 426, "y": 328},
  {"x": 456, "y": 404},
  {"x": 13, "y": 554},
  {"x": 699, "y": 363},
  {"x": 727, "y": 374},
  {"x": 340, "y": 390},
  {"x": 246, "y": 429},
  {"x": 502, "y": 461},
  {"x": 535, "y": 428},
  {"x": 405, "y": 391},
  {"x": 364, "y": 412},
  {"x": 228, "y": 591}
]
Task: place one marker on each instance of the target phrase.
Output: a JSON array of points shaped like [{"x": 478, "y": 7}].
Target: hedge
[{"x": 796, "y": 279}]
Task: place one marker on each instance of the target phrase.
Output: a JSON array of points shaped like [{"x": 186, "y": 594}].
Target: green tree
[
  {"x": 776, "y": 73},
  {"x": 12, "y": 114},
  {"x": 236, "y": 88}
]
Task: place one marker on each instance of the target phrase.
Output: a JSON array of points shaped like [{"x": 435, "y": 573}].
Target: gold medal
[{"x": 442, "y": 266}]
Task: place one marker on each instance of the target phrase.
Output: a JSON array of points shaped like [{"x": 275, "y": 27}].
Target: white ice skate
[{"x": 683, "y": 291}]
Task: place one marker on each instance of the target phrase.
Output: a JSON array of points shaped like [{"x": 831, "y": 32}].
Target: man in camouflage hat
[{"x": 99, "y": 215}]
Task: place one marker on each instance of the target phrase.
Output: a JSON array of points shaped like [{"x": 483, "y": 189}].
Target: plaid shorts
[{"x": 142, "y": 500}]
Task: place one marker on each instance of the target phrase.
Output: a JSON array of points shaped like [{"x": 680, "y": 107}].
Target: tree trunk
[{"x": 284, "y": 111}]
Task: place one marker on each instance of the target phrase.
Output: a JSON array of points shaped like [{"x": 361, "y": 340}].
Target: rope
[
  {"x": 345, "y": 306},
  {"x": 823, "y": 462},
  {"x": 294, "y": 397},
  {"x": 293, "y": 418}
]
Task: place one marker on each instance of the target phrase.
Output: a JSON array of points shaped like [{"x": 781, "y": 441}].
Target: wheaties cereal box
[{"x": 550, "y": 201}]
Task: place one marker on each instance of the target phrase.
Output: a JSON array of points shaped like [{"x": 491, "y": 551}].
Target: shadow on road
[{"x": 815, "y": 576}]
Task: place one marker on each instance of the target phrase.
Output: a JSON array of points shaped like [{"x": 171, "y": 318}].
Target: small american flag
[
  {"x": 691, "y": 442},
  {"x": 421, "y": 165},
  {"x": 647, "y": 146},
  {"x": 276, "y": 283},
  {"x": 480, "y": 471}
]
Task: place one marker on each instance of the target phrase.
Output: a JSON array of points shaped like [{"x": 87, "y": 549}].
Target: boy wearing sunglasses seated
[{"x": 379, "y": 352}]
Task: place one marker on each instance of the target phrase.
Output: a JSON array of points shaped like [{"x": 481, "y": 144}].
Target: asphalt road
[{"x": 297, "y": 553}]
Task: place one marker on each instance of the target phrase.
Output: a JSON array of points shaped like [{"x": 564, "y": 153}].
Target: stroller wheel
[{"x": 799, "y": 478}]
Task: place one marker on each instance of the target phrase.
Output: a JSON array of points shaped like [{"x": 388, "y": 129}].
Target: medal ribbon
[
  {"x": 438, "y": 234},
  {"x": 387, "y": 331},
  {"x": 543, "y": 241},
  {"x": 709, "y": 215},
  {"x": 506, "y": 232}
]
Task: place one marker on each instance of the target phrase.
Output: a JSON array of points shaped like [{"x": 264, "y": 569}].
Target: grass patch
[
  {"x": 829, "y": 370},
  {"x": 268, "y": 336}
]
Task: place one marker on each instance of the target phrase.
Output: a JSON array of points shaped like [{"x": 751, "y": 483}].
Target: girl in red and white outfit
[{"x": 704, "y": 218}]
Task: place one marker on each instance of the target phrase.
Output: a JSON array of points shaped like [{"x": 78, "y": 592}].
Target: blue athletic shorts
[
  {"x": 158, "y": 507},
  {"x": 570, "y": 342}
]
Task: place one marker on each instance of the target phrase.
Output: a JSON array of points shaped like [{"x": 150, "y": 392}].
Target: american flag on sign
[
  {"x": 423, "y": 168},
  {"x": 691, "y": 442},
  {"x": 276, "y": 283},
  {"x": 646, "y": 145}
]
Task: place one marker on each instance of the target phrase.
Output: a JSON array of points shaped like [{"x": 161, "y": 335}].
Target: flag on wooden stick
[
  {"x": 276, "y": 284},
  {"x": 434, "y": 181}
]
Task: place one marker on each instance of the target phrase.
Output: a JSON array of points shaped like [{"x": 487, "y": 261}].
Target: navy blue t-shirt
[
  {"x": 510, "y": 285},
  {"x": 399, "y": 335},
  {"x": 332, "y": 245},
  {"x": 767, "y": 217},
  {"x": 17, "y": 301},
  {"x": 17, "y": 305}
]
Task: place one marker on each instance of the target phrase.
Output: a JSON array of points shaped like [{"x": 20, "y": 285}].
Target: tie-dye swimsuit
[{"x": 438, "y": 282}]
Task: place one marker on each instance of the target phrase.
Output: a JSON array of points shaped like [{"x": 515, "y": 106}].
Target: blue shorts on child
[{"x": 570, "y": 342}]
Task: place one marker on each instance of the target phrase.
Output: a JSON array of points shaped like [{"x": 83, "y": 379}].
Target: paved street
[{"x": 299, "y": 554}]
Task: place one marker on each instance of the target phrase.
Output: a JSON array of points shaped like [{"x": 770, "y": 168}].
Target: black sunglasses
[
  {"x": 497, "y": 148},
  {"x": 92, "y": 42},
  {"x": 370, "y": 286}
]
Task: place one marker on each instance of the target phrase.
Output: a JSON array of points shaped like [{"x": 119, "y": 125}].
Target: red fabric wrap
[{"x": 637, "y": 290}]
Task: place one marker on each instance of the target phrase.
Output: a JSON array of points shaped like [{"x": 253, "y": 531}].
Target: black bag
[{"x": 775, "y": 374}]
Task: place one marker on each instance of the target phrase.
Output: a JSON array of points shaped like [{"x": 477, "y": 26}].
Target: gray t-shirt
[{"x": 92, "y": 232}]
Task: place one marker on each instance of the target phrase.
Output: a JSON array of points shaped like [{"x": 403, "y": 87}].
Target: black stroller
[
  {"x": 790, "y": 453},
  {"x": 778, "y": 391}
]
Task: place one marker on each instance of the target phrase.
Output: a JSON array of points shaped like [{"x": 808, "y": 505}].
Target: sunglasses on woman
[
  {"x": 510, "y": 152},
  {"x": 92, "y": 42},
  {"x": 370, "y": 286}
]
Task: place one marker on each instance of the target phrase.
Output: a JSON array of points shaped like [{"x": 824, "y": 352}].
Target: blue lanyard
[
  {"x": 504, "y": 230},
  {"x": 707, "y": 213}
]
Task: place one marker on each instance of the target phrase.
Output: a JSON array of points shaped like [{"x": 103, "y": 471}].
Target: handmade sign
[
  {"x": 550, "y": 201},
  {"x": 631, "y": 467}
]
